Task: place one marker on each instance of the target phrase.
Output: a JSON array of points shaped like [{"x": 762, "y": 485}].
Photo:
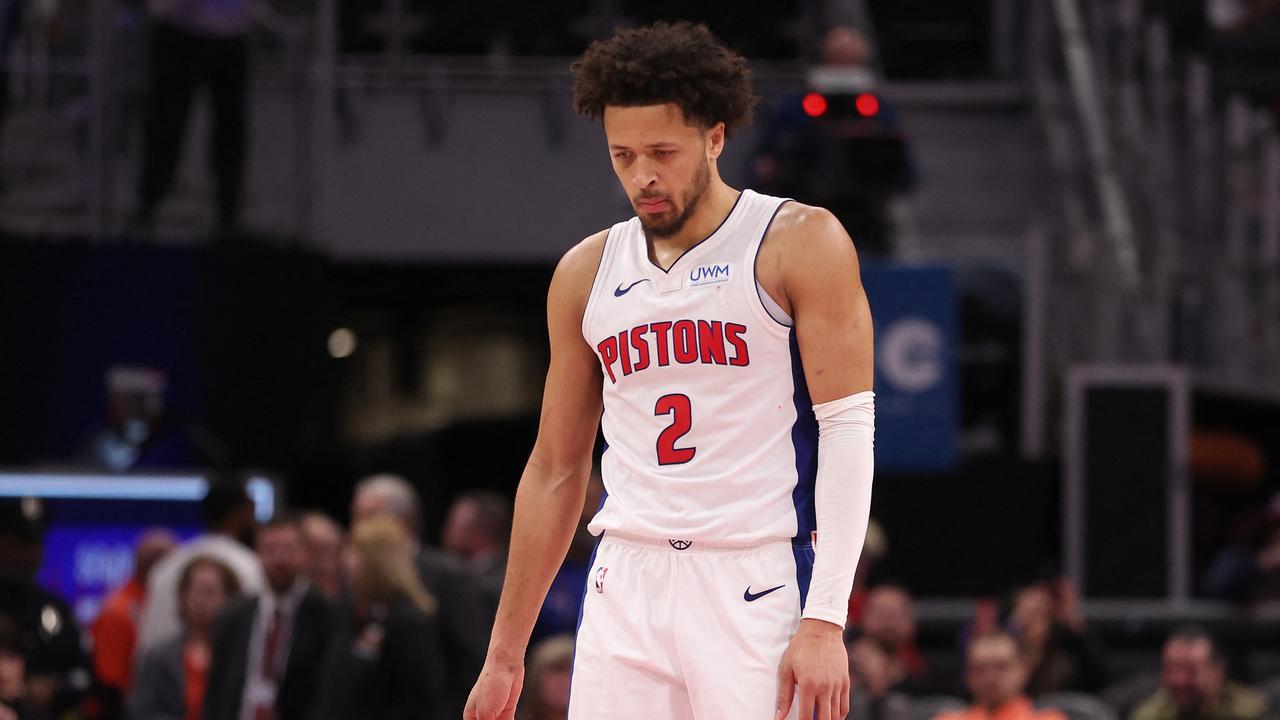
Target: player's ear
[{"x": 715, "y": 140}]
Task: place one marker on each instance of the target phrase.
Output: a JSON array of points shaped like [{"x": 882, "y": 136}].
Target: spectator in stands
[
  {"x": 229, "y": 521},
  {"x": 873, "y": 673},
  {"x": 465, "y": 614},
  {"x": 171, "y": 676},
  {"x": 1194, "y": 684},
  {"x": 13, "y": 671},
  {"x": 1046, "y": 619},
  {"x": 384, "y": 661},
  {"x": 323, "y": 539},
  {"x": 194, "y": 45},
  {"x": 1248, "y": 569},
  {"x": 1245, "y": 47},
  {"x": 142, "y": 431},
  {"x": 563, "y": 604},
  {"x": 57, "y": 669},
  {"x": 546, "y": 691},
  {"x": 874, "y": 548},
  {"x": 10, "y": 20},
  {"x": 477, "y": 530},
  {"x": 115, "y": 632},
  {"x": 267, "y": 650},
  {"x": 997, "y": 680},
  {"x": 849, "y": 154},
  {"x": 889, "y": 618},
  {"x": 1239, "y": 16}
]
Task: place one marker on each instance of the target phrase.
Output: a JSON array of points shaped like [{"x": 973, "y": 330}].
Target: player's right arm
[{"x": 553, "y": 487}]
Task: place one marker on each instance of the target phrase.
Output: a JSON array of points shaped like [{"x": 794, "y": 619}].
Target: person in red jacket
[{"x": 115, "y": 632}]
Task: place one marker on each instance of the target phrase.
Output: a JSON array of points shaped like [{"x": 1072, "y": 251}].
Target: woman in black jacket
[
  {"x": 384, "y": 660},
  {"x": 170, "y": 679}
]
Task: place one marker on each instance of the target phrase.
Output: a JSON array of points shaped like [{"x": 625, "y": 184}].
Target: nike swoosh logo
[
  {"x": 621, "y": 291},
  {"x": 752, "y": 597}
]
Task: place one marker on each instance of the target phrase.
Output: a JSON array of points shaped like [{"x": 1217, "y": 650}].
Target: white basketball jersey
[{"x": 709, "y": 428}]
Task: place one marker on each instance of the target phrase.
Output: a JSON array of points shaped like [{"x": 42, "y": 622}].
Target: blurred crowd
[
  {"x": 293, "y": 619},
  {"x": 1038, "y": 661},
  {"x": 299, "y": 618}
]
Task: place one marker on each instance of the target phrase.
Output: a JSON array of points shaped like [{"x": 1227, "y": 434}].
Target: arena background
[{"x": 1078, "y": 306}]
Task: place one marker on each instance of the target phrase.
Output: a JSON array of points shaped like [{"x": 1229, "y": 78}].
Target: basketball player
[{"x": 726, "y": 337}]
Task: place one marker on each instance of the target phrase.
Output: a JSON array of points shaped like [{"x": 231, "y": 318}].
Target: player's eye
[
  {"x": 621, "y": 155},
  {"x": 664, "y": 153}
]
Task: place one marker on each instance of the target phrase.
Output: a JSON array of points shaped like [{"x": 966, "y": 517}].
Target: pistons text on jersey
[{"x": 685, "y": 341}]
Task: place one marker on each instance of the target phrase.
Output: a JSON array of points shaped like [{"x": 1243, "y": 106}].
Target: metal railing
[
  {"x": 73, "y": 141},
  {"x": 1163, "y": 248},
  {"x": 73, "y": 137}
]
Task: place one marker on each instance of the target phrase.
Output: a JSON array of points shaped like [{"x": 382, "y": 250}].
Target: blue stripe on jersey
[
  {"x": 804, "y": 439},
  {"x": 604, "y": 494},
  {"x": 803, "y": 553}
]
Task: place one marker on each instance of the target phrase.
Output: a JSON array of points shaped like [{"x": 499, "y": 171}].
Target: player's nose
[{"x": 643, "y": 174}]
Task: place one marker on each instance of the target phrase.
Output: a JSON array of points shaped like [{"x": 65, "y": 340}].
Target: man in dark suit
[
  {"x": 466, "y": 613},
  {"x": 268, "y": 650},
  {"x": 477, "y": 531}
]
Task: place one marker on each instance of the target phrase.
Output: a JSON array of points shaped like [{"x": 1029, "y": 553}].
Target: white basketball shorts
[{"x": 674, "y": 630}]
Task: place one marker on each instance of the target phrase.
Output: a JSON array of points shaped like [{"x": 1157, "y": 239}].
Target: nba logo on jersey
[
  {"x": 600, "y": 579},
  {"x": 709, "y": 275}
]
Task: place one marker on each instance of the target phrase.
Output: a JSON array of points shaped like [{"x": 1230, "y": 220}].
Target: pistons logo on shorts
[{"x": 600, "y": 578}]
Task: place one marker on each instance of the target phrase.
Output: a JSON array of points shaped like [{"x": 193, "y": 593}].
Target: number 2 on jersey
[{"x": 677, "y": 406}]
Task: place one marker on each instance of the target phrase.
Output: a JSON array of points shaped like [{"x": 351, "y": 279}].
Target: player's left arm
[{"x": 817, "y": 274}]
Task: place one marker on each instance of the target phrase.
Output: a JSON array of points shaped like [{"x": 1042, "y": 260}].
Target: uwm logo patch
[{"x": 709, "y": 274}]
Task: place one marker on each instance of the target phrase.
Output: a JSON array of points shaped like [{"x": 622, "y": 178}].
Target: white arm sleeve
[{"x": 842, "y": 498}]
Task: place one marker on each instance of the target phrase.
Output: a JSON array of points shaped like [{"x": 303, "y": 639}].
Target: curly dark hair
[{"x": 680, "y": 63}]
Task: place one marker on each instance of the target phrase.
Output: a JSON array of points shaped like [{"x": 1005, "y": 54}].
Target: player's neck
[{"x": 709, "y": 215}]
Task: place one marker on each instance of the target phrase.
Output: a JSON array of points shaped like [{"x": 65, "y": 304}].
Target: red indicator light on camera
[{"x": 814, "y": 105}]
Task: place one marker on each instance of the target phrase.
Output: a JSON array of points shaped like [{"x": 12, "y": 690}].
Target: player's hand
[
  {"x": 815, "y": 673},
  {"x": 496, "y": 691}
]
